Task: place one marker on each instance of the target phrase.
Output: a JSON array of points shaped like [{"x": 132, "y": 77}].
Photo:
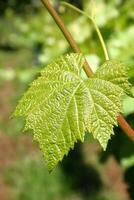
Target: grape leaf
[
  {"x": 55, "y": 107},
  {"x": 59, "y": 106}
]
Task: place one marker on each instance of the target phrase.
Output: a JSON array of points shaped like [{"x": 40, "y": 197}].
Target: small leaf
[
  {"x": 114, "y": 72},
  {"x": 107, "y": 87},
  {"x": 60, "y": 106}
]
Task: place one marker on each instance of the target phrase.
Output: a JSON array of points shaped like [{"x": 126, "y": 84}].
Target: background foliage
[{"x": 30, "y": 40}]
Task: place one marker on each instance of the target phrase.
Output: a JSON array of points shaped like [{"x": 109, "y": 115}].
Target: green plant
[{"x": 60, "y": 106}]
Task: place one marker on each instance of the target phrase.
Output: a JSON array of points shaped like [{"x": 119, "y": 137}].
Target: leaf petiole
[{"x": 94, "y": 24}]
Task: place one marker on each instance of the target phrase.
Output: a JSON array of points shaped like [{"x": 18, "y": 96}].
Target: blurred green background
[{"x": 29, "y": 40}]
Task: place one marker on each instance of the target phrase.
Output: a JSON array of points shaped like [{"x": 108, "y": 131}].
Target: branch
[
  {"x": 66, "y": 33},
  {"x": 121, "y": 121}
]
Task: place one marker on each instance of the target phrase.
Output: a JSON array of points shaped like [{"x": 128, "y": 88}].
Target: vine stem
[
  {"x": 121, "y": 121},
  {"x": 66, "y": 33}
]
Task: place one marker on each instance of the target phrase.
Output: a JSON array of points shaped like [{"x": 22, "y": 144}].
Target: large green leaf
[
  {"x": 59, "y": 106},
  {"x": 55, "y": 107}
]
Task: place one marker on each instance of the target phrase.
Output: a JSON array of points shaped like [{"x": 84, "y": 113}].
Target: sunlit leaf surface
[{"x": 59, "y": 106}]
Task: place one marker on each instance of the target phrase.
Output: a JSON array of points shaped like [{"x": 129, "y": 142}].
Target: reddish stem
[{"x": 125, "y": 126}]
